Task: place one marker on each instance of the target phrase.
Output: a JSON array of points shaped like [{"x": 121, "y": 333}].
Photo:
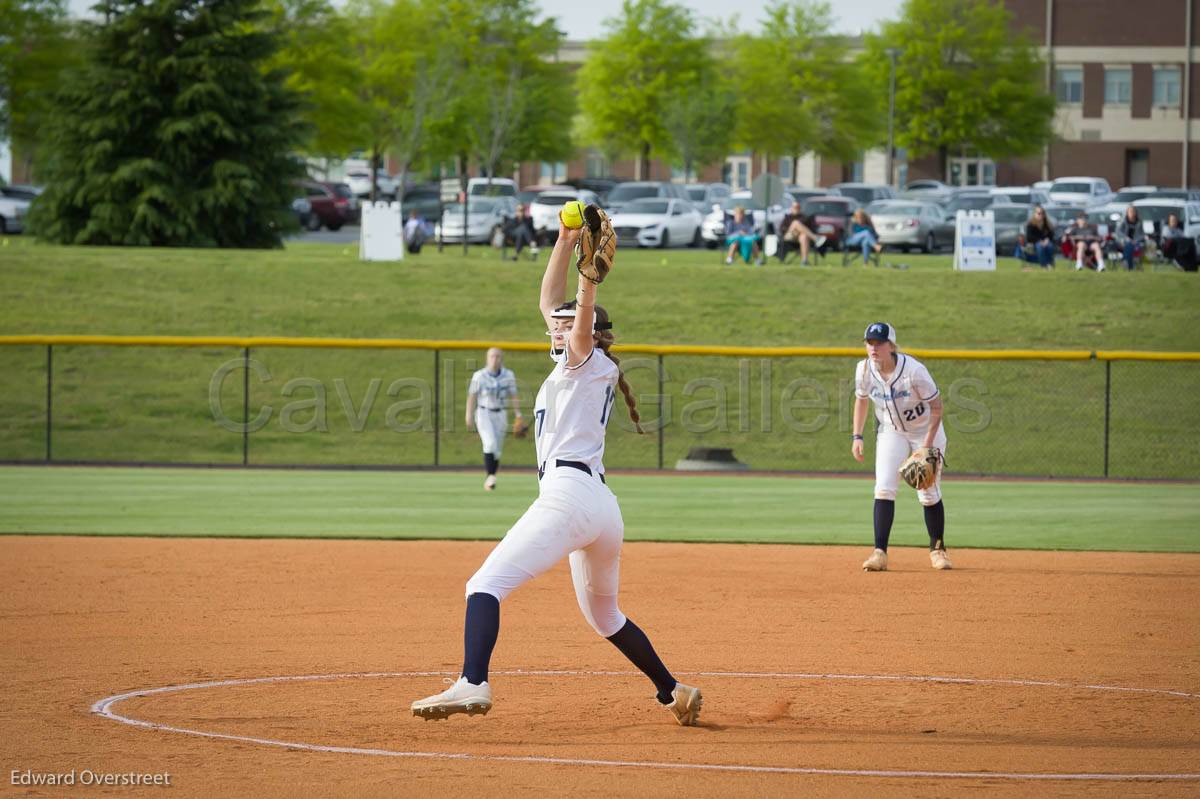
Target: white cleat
[
  {"x": 686, "y": 707},
  {"x": 460, "y": 697},
  {"x": 490, "y": 483},
  {"x": 877, "y": 562},
  {"x": 940, "y": 560}
]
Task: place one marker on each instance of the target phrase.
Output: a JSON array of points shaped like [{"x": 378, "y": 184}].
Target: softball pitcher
[
  {"x": 493, "y": 388},
  {"x": 908, "y": 409},
  {"x": 575, "y": 514}
]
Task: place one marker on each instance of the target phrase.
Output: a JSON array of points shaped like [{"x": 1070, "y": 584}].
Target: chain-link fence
[{"x": 275, "y": 403}]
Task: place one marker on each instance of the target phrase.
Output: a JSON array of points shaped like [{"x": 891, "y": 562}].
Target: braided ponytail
[{"x": 604, "y": 340}]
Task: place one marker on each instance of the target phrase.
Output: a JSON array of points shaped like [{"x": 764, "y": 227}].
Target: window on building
[
  {"x": 1118, "y": 85},
  {"x": 1068, "y": 84},
  {"x": 737, "y": 171},
  {"x": 596, "y": 165},
  {"x": 785, "y": 169},
  {"x": 553, "y": 172},
  {"x": 1166, "y": 86}
]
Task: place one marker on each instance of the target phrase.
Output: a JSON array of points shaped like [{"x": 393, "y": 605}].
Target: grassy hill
[{"x": 157, "y": 404}]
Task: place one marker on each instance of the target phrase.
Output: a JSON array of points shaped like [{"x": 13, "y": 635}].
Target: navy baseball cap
[{"x": 880, "y": 331}]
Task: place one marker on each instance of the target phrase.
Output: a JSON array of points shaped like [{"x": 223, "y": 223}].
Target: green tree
[
  {"x": 35, "y": 48},
  {"x": 799, "y": 90},
  {"x": 171, "y": 133},
  {"x": 408, "y": 76},
  {"x": 515, "y": 102},
  {"x": 630, "y": 76},
  {"x": 965, "y": 82},
  {"x": 321, "y": 67}
]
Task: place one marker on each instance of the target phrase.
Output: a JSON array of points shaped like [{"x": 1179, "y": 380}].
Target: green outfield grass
[
  {"x": 146, "y": 404},
  {"x": 436, "y": 505}
]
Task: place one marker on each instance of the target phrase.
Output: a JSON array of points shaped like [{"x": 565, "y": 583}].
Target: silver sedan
[{"x": 910, "y": 225}]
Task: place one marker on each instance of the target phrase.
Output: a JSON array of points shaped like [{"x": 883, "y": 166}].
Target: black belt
[
  {"x": 490, "y": 409},
  {"x": 583, "y": 467}
]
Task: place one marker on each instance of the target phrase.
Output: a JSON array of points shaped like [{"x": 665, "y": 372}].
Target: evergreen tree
[{"x": 172, "y": 133}]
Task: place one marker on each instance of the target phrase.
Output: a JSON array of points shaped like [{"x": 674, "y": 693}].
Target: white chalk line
[{"x": 105, "y": 708}]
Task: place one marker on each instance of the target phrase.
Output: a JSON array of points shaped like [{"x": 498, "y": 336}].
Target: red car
[
  {"x": 330, "y": 207},
  {"x": 831, "y": 215}
]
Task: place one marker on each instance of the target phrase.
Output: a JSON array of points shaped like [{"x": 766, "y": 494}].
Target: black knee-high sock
[
  {"x": 885, "y": 511},
  {"x": 490, "y": 462},
  {"x": 634, "y": 645},
  {"x": 935, "y": 524},
  {"x": 479, "y": 636}
]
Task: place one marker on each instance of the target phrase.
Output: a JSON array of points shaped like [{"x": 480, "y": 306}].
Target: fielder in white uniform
[
  {"x": 493, "y": 388},
  {"x": 908, "y": 409},
  {"x": 575, "y": 514}
]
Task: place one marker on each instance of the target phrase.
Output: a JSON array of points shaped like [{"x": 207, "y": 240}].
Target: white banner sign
[{"x": 975, "y": 241}]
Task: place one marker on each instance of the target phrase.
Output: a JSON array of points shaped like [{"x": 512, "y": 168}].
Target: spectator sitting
[
  {"x": 796, "y": 231},
  {"x": 741, "y": 236},
  {"x": 414, "y": 233},
  {"x": 1084, "y": 238},
  {"x": 1169, "y": 238},
  {"x": 1177, "y": 246},
  {"x": 863, "y": 235},
  {"x": 520, "y": 230},
  {"x": 1038, "y": 240},
  {"x": 1130, "y": 236}
]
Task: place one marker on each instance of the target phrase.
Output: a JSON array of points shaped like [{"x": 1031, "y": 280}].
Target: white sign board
[
  {"x": 975, "y": 241},
  {"x": 382, "y": 233}
]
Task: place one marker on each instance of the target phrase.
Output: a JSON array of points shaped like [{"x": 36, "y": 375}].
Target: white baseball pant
[
  {"x": 492, "y": 426},
  {"x": 891, "y": 448},
  {"x": 575, "y": 514}
]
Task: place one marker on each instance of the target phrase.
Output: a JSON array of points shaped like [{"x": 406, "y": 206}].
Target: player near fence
[
  {"x": 910, "y": 438},
  {"x": 575, "y": 514},
  {"x": 492, "y": 390}
]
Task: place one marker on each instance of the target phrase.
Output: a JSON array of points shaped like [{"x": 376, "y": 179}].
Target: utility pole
[{"x": 891, "y": 147}]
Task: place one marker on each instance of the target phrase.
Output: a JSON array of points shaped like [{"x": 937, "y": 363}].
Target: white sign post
[
  {"x": 382, "y": 232},
  {"x": 975, "y": 241}
]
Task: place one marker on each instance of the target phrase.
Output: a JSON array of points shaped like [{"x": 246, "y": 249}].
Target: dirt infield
[{"x": 89, "y": 618}]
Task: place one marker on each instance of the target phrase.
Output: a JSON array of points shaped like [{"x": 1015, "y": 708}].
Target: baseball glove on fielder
[
  {"x": 597, "y": 245},
  {"x": 520, "y": 427},
  {"x": 920, "y": 470}
]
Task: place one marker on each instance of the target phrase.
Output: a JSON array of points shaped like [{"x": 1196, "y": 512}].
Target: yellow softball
[{"x": 572, "y": 214}]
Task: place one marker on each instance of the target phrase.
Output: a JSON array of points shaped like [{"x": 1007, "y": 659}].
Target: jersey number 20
[{"x": 911, "y": 414}]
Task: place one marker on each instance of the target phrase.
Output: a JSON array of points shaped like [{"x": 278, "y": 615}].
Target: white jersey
[
  {"x": 572, "y": 411},
  {"x": 492, "y": 390},
  {"x": 901, "y": 403}
]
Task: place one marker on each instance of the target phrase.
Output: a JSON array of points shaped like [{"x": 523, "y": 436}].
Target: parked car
[
  {"x": 968, "y": 201},
  {"x": 1129, "y": 194},
  {"x": 658, "y": 222},
  {"x": 624, "y": 193},
  {"x": 1081, "y": 191},
  {"x": 485, "y": 218},
  {"x": 1191, "y": 195},
  {"x": 1061, "y": 216},
  {"x": 1010, "y": 220},
  {"x": 359, "y": 182},
  {"x": 865, "y": 193},
  {"x": 545, "y": 207},
  {"x": 12, "y": 214},
  {"x": 346, "y": 202},
  {"x": 909, "y": 224},
  {"x": 831, "y": 214},
  {"x": 602, "y": 186},
  {"x": 21, "y": 191},
  {"x": 326, "y": 207},
  {"x": 801, "y": 193},
  {"x": 529, "y": 193},
  {"x": 426, "y": 200},
  {"x": 703, "y": 195},
  {"x": 926, "y": 187},
  {"x": 492, "y": 187},
  {"x": 1044, "y": 185},
  {"x": 1019, "y": 195}
]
